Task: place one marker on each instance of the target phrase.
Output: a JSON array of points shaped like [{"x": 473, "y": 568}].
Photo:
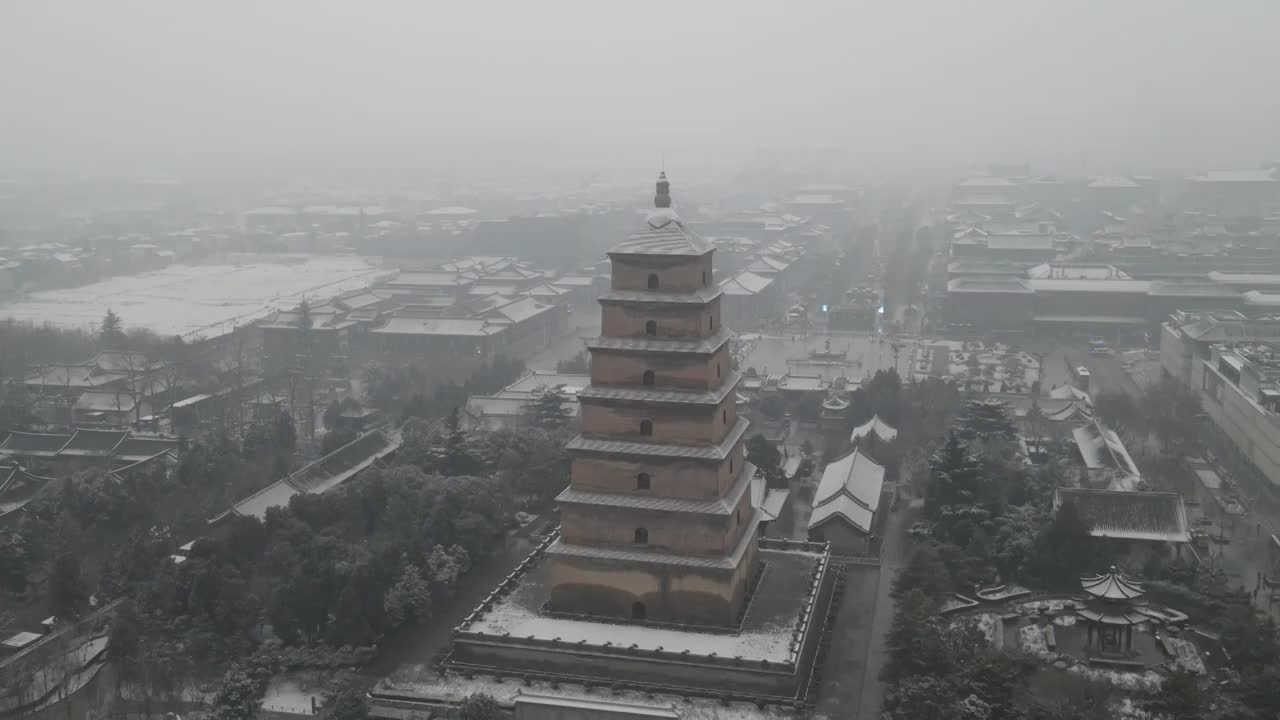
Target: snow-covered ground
[{"x": 198, "y": 300}]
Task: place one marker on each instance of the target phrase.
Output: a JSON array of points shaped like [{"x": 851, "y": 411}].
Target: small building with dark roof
[{"x": 1144, "y": 516}]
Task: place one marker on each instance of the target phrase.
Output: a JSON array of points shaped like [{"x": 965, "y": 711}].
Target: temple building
[{"x": 659, "y": 582}]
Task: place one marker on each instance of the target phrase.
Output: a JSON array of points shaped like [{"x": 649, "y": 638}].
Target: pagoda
[
  {"x": 658, "y": 521},
  {"x": 658, "y": 583}
]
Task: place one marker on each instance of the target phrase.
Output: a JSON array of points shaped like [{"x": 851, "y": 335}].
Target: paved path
[{"x": 894, "y": 555}]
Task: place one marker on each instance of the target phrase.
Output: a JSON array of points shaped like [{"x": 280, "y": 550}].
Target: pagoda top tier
[{"x": 663, "y": 233}]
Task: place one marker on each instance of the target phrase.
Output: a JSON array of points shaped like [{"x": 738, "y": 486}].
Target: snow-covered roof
[
  {"x": 766, "y": 632},
  {"x": 1111, "y": 586},
  {"x": 882, "y": 430},
  {"x": 663, "y": 234},
  {"x": 1101, "y": 448},
  {"x": 745, "y": 283},
  {"x": 850, "y": 487}
]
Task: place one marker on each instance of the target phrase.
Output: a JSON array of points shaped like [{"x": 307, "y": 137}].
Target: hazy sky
[{"x": 1172, "y": 82}]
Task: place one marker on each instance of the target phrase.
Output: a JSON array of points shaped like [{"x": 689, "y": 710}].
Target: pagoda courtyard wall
[
  {"x": 685, "y": 371},
  {"x": 746, "y": 679},
  {"x": 675, "y": 273},
  {"x": 680, "y": 424},
  {"x": 682, "y": 533},
  {"x": 668, "y": 477},
  {"x": 670, "y": 593},
  {"x": 679, "y": 321}
]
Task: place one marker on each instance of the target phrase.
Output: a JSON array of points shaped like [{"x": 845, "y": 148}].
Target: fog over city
[
  {"x": 606, "y": 360},
  {"x": 149, "y": 86}
]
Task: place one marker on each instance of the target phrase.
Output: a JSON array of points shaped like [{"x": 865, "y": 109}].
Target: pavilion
[{"x": 1111, "y": 613}]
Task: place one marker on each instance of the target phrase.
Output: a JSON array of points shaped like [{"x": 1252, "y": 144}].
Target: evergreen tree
[
  {"x": 238, "y": 697},
  {"x": 67, "y": 594},
  {"x": 954, "y": 477},
  {"x": 349, "y": 704},
  {"x": 548, "y": 411},
  {"x": 986, "y": 420},
  {"x": 111, "y": 330},
  {"x": 924, "y": 572},
  {"x": 350, "y": 626},
  {"x": 766, "y": 457},
  {"x": 457, "y": 459},
  {"x": 478, "y": 707}
]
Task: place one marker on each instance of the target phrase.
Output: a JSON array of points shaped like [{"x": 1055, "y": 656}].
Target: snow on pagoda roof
[
  {"x": 766, "y": 632},
  {"x": 1111, "y": 586},
  {"x": 882, "y": 430},
  {"x": 663, "y": 234}
]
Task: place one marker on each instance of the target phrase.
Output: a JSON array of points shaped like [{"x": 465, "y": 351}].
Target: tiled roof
[
  {"x": 882, "y": 430},
  {"x": 663, "y": 234},
  {"x": 1111, "y": 586},
  {"x": 1129, "y": 515},
  {"x": 745, "y": 283},
  {"x": 701, "y": 296},
  {"x": 850, "y": 487},
  {"x": 718, "y": 506},
  {"x": 719, "y": 451},
  {"x": 33, "y": 444},
  {"x": 1101, "y": 447},
  {"x": 658, "y": 394},
  {"x": 138, "y": 448},
  {"x": 94, "y": 442},
  {"x": 542, "y": 379},
  {"x": 655, "y": 344}
]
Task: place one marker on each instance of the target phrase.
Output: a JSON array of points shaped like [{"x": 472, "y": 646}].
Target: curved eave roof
[
  {"x": 663, "y": 233},
  {"x": 1111, "y": 586}
]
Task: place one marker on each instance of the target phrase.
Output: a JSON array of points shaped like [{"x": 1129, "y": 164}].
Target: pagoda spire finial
[{"x": 663, "y": 197}]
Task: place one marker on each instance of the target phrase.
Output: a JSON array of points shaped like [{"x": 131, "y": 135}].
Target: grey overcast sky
[{"x": 89, "y": 83}]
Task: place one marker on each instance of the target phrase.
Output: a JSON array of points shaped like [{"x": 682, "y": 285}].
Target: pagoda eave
[
  {"x": 659, "y": 451},
  {"x": 702, "y": 346},
  {"x": 721, "y": 507},
  {"x": 628, "y": 394},
  {"x": 652, "y": 297}
]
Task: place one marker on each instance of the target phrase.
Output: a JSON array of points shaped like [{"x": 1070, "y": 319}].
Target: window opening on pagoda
[
  {"x": 648, "y": 377},
  {"x": 724, "y": 415},
  {"x": 646, "y": 427},
  {"x": 642, "y": 536},
  {"x": 653, "y": 281},
  {"x": 638, "y": 611},
  {"x": 737, "y": 517},
  {"x": 651, "y": 328},
  {"x": 642, "y": 481},
  {"x": 717, "y": 369},
  {"x": 711, "y": 322},
  {"x": 730, "y": 466},
  {"x": 704, "y": 278}
]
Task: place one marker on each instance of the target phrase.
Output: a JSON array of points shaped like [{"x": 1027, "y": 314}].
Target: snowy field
[{"x": 197, "y": 300}]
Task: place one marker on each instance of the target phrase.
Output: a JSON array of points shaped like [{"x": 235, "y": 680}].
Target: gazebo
[
  {"x": 1109, "y": 612},
  {"x": 834, "y": 409}
]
